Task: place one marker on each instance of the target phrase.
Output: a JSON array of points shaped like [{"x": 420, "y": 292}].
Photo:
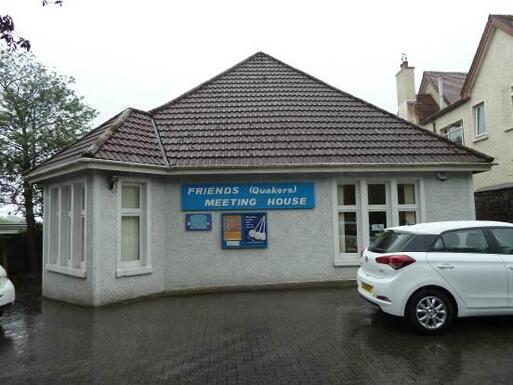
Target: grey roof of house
[{"x": 263, "y": 113}]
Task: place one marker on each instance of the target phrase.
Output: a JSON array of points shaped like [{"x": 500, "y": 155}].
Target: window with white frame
[
  {"x": 365, "y": 208},
  {"x": 66, "y": 226},
  {"x": 407, "y": 203},
  {"x": 378, "y": 208},
  {"x": 454, "y": 132},
  {"x": 133, "y": 225},
  {"x": 479, "y": 119},
  {"x": 347, "y": 215}
]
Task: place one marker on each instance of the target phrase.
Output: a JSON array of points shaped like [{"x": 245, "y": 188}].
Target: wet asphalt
[{"x": 317, "y": 336}]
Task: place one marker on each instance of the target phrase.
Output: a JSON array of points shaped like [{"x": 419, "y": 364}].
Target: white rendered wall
[{"x": 301, "y": 242}]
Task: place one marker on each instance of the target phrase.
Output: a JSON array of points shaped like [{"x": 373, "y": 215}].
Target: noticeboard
[
  {"x": 198, "y": 222},
  {"x": 244, "y": 230}
]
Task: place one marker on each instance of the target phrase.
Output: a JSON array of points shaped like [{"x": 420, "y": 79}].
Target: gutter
[{"x": 117, "y": 166}]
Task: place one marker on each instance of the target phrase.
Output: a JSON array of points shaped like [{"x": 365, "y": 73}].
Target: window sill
[
  {"x": 71, "y": 271},
  {"x": 346, "y": 262},
  {"x": 480, "y": 138},
  {"x": 131, "y": 271}
]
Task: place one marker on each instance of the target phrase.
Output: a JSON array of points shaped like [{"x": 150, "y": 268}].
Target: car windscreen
[{"x": 394, "y": 241}]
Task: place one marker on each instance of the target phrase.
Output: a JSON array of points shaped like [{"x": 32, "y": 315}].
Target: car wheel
[{"x": 430, "y": 311}]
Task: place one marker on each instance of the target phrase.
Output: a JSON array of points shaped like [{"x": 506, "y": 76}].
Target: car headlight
[{"x": 3, "y": 280}]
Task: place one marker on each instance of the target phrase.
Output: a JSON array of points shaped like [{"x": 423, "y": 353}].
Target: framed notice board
[
  {"x": 198, "y": 222},
  {"x": 244, "y": 230}
]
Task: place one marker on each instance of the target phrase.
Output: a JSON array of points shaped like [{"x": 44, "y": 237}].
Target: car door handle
[{"x": 445, "y": 266}]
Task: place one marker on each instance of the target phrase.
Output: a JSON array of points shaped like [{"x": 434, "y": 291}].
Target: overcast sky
[{"x": 141, "y": 54}]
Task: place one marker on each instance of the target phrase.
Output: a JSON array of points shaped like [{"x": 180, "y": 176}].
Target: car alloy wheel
[{"x": 431, "y": 312}]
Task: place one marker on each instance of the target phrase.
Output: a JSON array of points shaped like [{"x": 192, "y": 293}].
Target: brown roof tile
[{"x": 263, "y": 113}]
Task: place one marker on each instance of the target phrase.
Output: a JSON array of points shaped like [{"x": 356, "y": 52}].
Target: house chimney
[{"x": 405, "y": 81}]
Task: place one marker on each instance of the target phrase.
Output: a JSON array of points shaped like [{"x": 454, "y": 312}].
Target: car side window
[
  {"x": 465, "y": 241},
  {"x": 438, "y": 246},
  {"x": 504, "y": 239}
]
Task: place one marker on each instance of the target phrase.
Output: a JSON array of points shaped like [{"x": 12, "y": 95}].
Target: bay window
[
  {"x": 66, "y": 228},
  {"x": 364, "y": 208},
  {"x": 133, "y": 255}
]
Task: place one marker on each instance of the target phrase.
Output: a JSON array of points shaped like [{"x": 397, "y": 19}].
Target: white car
[
  {"x": 7, "y": 294},
  {"x": 431, "y": 273}
]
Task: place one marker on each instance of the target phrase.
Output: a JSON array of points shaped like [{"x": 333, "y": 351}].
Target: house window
[
  {"x": 133, "y": 226},
  {"x": 454, "y": 132},
  {"x": 66, "y": 227},
  {"x": 347, "y": 214},
  {"x": 377, "y": 206},
  {"x": 407, "y": 203},
  {"x": 364, "y": 208},
  {"x": 479, "y": 119}
]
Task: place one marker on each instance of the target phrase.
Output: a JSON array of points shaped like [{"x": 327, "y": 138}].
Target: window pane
[
  {"x": 504, "y": 239},
  {"x": 54, "y": 225},
  {"x": 465, "y": 241},
  {"x": 81, "y": 243},
  {"x": 407, "y": 218},
  {"x": 377, "y": 194},
  {"x": 390, "y": 242},
  {"x": 130, "y": 197},
  {"x": 406, "y": 194},
  {"x": 82, "y": 197},
  {"x": 454, "y": 133},
  {"x": 78, "y": 224},
  {"x": 480, "y": 119},
  {"x": 347, "y": 195},
  {"x": 348, "y": 232},
  {"x": 65, "y": 217},
  {"x": 377, "y": 223},
  {"x": 130, "y": 239}
]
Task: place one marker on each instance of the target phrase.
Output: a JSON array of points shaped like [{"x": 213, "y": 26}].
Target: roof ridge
[
  {"x": 205, "y": 83},
  {"x": 110, "y": 130},
  {"x": 445, "y": 72},
  {"x": 468, "y": 149},
  {"x": 108, "y": 121},
  {"x": 159, "y": 139}
]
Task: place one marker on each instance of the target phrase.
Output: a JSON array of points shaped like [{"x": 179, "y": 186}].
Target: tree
[
  {"x": 39, "y": 115},
  {"x": 8, "y": 34}
]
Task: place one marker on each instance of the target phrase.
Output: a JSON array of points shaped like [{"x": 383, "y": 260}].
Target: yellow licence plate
[{"x": 367, "y": 287}]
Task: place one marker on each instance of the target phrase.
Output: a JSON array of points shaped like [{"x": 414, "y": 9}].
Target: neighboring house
[
  {"x": 261, "y": 176},
  {"x": 11, "y": 227},
  {"x": 474, "y": 109}
]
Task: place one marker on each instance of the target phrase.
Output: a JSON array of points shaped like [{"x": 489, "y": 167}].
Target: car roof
[{"x": 440, "y": 227}]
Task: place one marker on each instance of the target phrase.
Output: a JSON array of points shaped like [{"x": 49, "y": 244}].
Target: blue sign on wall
[
  {"x": 198, "y": 222},
  {"x": 247, "y": 196},
  {"x": 244, "y": 230}
]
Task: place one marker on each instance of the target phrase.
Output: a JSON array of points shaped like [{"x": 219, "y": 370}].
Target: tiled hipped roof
[{"x": 264, "y": 113}]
